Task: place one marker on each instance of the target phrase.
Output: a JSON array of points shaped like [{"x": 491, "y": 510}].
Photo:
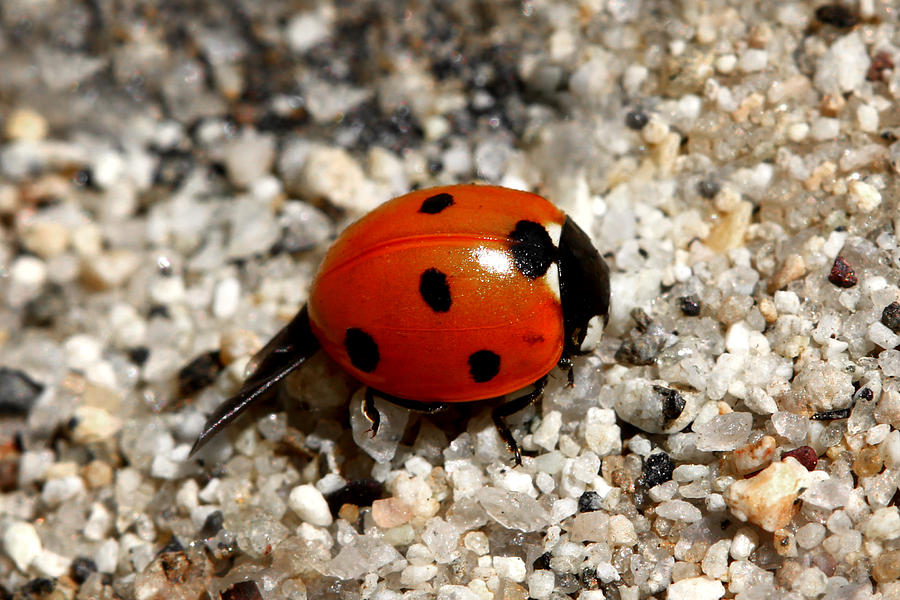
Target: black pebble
[
  {"x": 890, "y": 317},
  {"x": 18, "y": 392},
  {"x": 82, "y": 568},
  {"x": 639, "y": 351},
  {"x": 658, "y": 469},
  {"x": 139, "y": 355},
  {"x": 689, "y": 305},
  {"x": 673, "y": 402},
  {"x": 708, "y": 188},
  {"x": 542, "y": 562},
  {"x": 42, "y": 310},
  {"x": 836, "y": 15},
  {"x": 589, "y": 502},
  {"x": 213, "y": 524},
  {"x": 38, "y": 587},
  {"x": 199, "y": 373},
  {"x": 636, "y": 119},
  {"x": 361, "y": 492}
]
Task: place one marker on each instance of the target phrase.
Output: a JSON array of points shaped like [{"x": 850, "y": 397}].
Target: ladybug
[{"x": 450, "y": 294}]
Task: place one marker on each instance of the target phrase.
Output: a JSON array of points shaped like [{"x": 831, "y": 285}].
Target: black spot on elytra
[
  {"x": 434, "y": 290},
  {"x": 532, "y": 249},
  {"x": 435, "y": 204},
  {"x": 362, "y": 349},
  {"x": 484, "y": 365}
]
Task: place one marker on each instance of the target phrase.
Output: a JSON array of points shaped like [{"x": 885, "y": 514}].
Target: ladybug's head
[{"x": 583, "y": 287}]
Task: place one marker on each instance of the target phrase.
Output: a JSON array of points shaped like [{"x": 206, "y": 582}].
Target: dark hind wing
[{"x": 289, "y": 349}]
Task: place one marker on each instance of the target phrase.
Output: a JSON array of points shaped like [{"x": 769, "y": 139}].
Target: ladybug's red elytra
[{"x": 450, "y": 294}]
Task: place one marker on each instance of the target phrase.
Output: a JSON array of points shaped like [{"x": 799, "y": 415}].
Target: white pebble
[
  {"x": 753, "y": 59},
  {"x": 863, "y": 197},
  {"x": 621, "y": 531},
  {"x": 547, "y": 434},
  {"x": 715, "y": 563},
  {"x": 679, "y": 510},
  {"x": 810, "y": 582},
  {"x": 881, "y": 335},
  {"x": 457, "y": 592},
  {"x": 884, "y": 524},
  {"x": 726, "y": 63},
  {"x": 28, "y": 271},
  {"x": 787, "y": 302},
  {"x": 797, "y": 132},
  {"x": 226, "y": 298},
  {"x": 510, "y": 567},
  {"x": 51, "y": 564},
  {"x": 22, "y": 544},
  {"x": 696, "y": 588},
  {"x": 809, "y": 536},
  {"x": 107, "y": 556},
  {"x": 844, "y": 65},
  {"x": 867, "y": 117},
  {"x": 541, "y": 584},
  {"x": 743, "y": 543},
  {"x": 310, "y": 505},
  {"x": 82, "y": 351},
  {"x": 825, "y": 128},
  {"x": 57, "y": 491},
  {"x": 305, "y": 30}
]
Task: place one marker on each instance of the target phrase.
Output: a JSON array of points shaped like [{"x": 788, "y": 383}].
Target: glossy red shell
[{"x": 370, "y": 281}]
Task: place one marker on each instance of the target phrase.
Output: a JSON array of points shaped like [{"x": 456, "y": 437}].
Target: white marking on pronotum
[
  {"x": 551, "y": 277},
  {"x": 594, "y": 331}
]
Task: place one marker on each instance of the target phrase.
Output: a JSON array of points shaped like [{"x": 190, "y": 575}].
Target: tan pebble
[
  {"x": 26, "y": 124},
  {"x": 237, "y": 343},
  {"x": 887, "y": 567},
  {"x": 666, "y": 153},
  {"x": 820, "y": 176},
  {"x": 94, "y": 425},
  {"x": 727, "y": 200},
  {"x": 511, "y": 591},
  {"x": 753, "y": 457},
  {"x": 108, "y": 270},
  {"x": 97, "y": 474},
  {"x": 45, "y": 238},
  {"x": 832, "y": 104},
  {"x": 349, "y": 513},
  {"x": 785, "y": 544},
  {"x": 760, "y": 36},
  {"x": 767, "y": 309},
  {"x": 655, "y": 131},
  {"x": 868, "y": 462},
  {"x": 767, "y": 499},
  {"x": 729, "y": 232},
  {"x": 794, "y": 267},
  {"x": 87, "y": 240},
  {"x": 60, "y": 470},
  {"x": 9, "y": 200},
  {"x": 750, "y": 105},
  {"x": 390, "y": 512}
]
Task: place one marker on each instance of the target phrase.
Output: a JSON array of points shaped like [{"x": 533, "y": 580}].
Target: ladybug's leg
[
  {"x": 371, "y": 413},
  {"x": 565, "y": 363},
  {"x": 374, "y": 417},
  {"x": 506, "y": 409}
]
